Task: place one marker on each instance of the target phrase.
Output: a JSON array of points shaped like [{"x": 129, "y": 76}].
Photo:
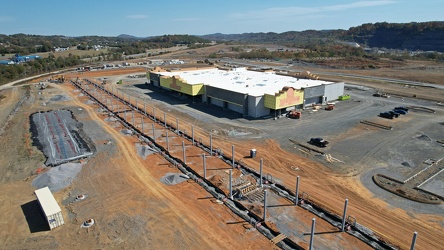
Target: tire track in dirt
[{"x": 137, "y": 174}]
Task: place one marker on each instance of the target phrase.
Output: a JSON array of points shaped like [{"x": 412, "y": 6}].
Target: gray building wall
[
  {"x": 256, "y": 107},
  {"x": 226, "y": 95},
  {"x": 216, "y": 102},
  {"x": 236, "y": 108},
  {"x": 155, "y": 79},
  {"x": 333, "y": 91},
  {"x": 314, "y": 91},
  {"x": 314, "y": 95}
]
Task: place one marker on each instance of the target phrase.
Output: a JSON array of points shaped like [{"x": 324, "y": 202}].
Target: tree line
[
  {"x": 13, "y": 72},
  {"x": 28, "y": 44}
]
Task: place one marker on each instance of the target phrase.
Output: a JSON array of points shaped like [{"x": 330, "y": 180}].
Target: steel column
[
  {"x": 344, "y": 215},
  {"x": 232, "y": 156},
  {"x": 265, "y": 205},
  {"x": 412, "y": 247},
  {"x": 211, "y": 144},
  {"x": 168, "y": 145},
  {"x": 154, "y": 134},
  {"x": 177, "y": 125},
  {"x": 205, "y": 165},
  {"x": 313, "y": 224},
  {"x": 260, "y": 172},
  {"x": 141, "y": 118},
  {"x": 184, "y": 153},
  {"x": 231, "y": 184},
  {"x": 296, "y": 201},
  {"x": 154, "y": 113}
]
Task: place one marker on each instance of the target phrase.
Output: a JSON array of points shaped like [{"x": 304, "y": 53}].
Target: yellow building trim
[
  {"x": 286, "y": 97},
  {"x": 177, "y": 84}
]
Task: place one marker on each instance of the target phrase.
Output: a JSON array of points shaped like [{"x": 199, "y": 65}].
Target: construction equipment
[
  {"x": 343, "y": 97},
  {"x": 330, "y": 107},
  {"x": 294, "y": 114},
  {"x": 41, "y": 85},
  {"x": 57, "y": 79}
]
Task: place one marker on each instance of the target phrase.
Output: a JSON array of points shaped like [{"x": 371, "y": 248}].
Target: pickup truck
[
  {"x": 386, "y": 115},
  {"x": 318, "y": 142}
]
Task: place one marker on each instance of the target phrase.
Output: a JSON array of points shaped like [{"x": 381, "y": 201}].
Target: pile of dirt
[
  {"x": 423, "y": 138},
  {"x": 144, "y": 150},
  {"x": 110, "y": 119},
  {"x": 216, "y": 180},
  {"x": 173, "y": 178},
  {"x": 126, "y": 132},
  {"x": 59, "y": 98},
  {"x": 58, "y": 177}
]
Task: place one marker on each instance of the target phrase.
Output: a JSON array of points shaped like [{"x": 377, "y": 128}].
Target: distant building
[
  {"x": 61, "y": 49},
  {"x": 6, "y": 62},
  {"x": 19, "y": 59},
  {"x": 250, "y": 93}
]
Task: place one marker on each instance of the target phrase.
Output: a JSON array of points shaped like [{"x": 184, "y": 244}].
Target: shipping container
[{"x": 50, "y": 208}]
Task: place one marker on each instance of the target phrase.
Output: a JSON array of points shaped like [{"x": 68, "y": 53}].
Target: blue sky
[{"x": 198, "y": 17}]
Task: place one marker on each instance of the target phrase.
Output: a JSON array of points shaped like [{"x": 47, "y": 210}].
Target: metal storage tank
[{"x": 50, "y": 208}]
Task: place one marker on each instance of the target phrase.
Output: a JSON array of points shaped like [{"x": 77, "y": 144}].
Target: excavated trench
[{"x": 359, "y": 231}]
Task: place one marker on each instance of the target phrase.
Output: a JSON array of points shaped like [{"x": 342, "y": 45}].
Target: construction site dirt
[{"x": 132, "y": 208}]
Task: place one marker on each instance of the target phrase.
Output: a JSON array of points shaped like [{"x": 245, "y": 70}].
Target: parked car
[
  {"x": 402, "y": 108},
  {"x": 394, "y": 113},
  {"x": 401, "y": 111},
  {"x": 318, "y": 142},
  {"x": 377, "y": 94},
  {"x": 386, "y": 115}
]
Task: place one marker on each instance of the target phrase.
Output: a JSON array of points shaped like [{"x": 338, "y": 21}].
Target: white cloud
[
  {"x": 136, "y": 16},
  {"x": 186, "y": 19},
  {"x": 282, "y": 12}
]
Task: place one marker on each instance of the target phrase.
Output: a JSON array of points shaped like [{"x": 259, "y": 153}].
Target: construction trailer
[{"x": 50, "y": 208}]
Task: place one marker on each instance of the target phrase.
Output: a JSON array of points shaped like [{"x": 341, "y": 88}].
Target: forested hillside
[
  {"x": 427, "y": 36},
  {"x": 28, "y": 44},
  {"x": 289, "y": 38}
]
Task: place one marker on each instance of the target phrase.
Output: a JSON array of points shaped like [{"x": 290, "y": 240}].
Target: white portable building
[{"x": 50, "y": 208}]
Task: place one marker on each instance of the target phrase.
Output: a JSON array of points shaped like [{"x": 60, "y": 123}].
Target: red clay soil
[{"x": 330, "y": 190}]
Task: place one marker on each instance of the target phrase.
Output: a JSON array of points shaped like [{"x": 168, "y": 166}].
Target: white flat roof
[
  {"x": 244, "y": 81},
  {"x": 47, "y": 201}
]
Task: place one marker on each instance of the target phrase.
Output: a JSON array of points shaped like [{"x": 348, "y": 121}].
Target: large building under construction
[{"x": 253, "y": 93}]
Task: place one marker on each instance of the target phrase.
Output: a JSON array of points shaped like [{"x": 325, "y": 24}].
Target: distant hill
[
  {"x": 426, "y": 36},
  {"x": 288, "y": 38},
  {"x": 126, "y": 36}
]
